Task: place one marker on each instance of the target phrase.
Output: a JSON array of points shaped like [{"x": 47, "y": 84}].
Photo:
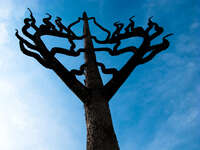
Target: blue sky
[{"x": 156, "y": 109}]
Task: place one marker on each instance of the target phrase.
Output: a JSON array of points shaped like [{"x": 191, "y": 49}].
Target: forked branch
[
  {"x": 39, "y": 51},
  {"x": 143, "y": 54},
  {"x": 140, "y": 53}
]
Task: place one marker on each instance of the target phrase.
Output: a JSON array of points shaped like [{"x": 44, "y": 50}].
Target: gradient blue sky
[{"x": 158, "y": 107}]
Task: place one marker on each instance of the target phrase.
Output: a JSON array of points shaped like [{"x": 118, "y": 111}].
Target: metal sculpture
[{"x": 94, "y": 95}]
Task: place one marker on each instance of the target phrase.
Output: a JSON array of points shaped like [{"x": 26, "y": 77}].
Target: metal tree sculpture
[{"x": 94, "y": 95}]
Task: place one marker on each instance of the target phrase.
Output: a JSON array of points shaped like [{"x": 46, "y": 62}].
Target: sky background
[{"x": 157, "y": 108}]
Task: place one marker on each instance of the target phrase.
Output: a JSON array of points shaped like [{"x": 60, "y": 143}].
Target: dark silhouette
[{"x": 94, "y": 95}]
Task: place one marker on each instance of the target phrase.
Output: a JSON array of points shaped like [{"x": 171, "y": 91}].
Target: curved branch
[
  {"x": 45, "y": 58},
  {"x": 119, "y": 27},
  {"x": 130, "y": 26},
  {"x": 52, "y": 33},
  {"x": 63, "y": 27},
  {"x": 105, "y": 70},
  {"x": 48, "y": 60},
  {"x": 71, "y": 32},
  {"x": 118, "y": 43},
  {"x": 138, "y": 32},
  {"x": 118, "y": 52},
  {"x": 156, "y": 49},
  {"x": 118, "y": 79},
  {"x": 47, "y": 24},
  {"x": 25, "y": 41},
  {"x": 102, "y": 28},
  {"x": 80, "y": 71},
  {"x": 34, "y": 55},
  {"x": 74, "y": 23},
  {"x": 115, "y": 83},
  {"x": 33, "y": 21},
  {"x": 26, "y": 27},
  {"x": 44, "y": 29},
  {"x": 150, "y": 24},
  {"x": 58, "y": 50},
  {"x": 159, "y": 30},
  {"x": 58, "y": 23}
]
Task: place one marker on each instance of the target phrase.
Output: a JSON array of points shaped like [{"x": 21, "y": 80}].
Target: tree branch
[
  {"x": 131, "y": 49},
  {"x": 34, "y": 55},
  {"x": 102, "y": 28},
  {"x": 28, "y": 44},
  {"x": 156, "y": 49},
  {"x": 80, "y": 71},
  {"x": 115, "y": 83},
  {"x": 58, "y": 50},
  {"x": 105, "y": 70},
  {"x": 47, "y": 59}
]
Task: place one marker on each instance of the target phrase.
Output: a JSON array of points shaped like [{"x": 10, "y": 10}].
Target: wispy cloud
[
  {"x": 6, "y": 9},
  {"x": 27, "y": 119},
  {"x": 158, "y": 108},
  {"x": 100, "y": 4},
  {"x": 4, "y": 33},
  {"x": 195, "y": 25}
]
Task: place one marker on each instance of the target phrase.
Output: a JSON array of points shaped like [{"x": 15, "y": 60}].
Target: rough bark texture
[{"x": 100, "y": 131}]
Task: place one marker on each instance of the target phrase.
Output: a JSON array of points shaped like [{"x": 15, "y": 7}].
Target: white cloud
[
  {"x": 194, "y": 25},
  {"x": 25, "y": 125},
  {"x": 171, "y": 133},
  {"x": 4, "y": 33},
  {"x": 188, "y": 43},
  {"x": 20, "y": 126},
  {"x": 6, "y": 9}
]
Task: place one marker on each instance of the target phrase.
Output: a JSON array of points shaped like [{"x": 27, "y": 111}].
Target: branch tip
[
  {"x": 150, "y": 19},
  {"x": 131, "y": 17},
  {"x": 116, "y": 22},
  {"x": 47, "y": 13},
  {"x": 29, "y": 10},
  {"x": 58, "y": 18},
  {"x": 84, "y": 14},
  {"x": 168, "y": 35},
  {"x": 49, "y": 16}
]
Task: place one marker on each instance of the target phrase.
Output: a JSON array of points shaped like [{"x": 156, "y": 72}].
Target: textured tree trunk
[{"x": 100, "y": 131}]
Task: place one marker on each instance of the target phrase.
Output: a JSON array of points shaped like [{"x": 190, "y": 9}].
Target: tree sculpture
[{"x": 94, "y": 95}]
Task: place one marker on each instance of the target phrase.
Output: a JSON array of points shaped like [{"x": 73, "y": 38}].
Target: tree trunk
[{"x": 100, "y": 131}]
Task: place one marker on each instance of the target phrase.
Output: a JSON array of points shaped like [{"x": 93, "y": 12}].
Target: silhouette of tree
[{"x": 94, "y": 95}]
